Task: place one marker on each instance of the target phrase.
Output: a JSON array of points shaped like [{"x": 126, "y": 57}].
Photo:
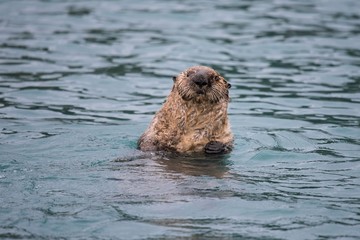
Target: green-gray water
[{"x": 81, "y": 80}]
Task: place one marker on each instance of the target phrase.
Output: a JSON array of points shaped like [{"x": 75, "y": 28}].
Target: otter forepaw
[{"x": 215, "y": 147}]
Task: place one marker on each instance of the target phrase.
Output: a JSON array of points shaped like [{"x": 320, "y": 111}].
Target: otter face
[{"x": 201, "y": 84}]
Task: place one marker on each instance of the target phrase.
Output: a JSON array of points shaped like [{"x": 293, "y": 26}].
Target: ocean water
[{"x": 81, "y": 80}]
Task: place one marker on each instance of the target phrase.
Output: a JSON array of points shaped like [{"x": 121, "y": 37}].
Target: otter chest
[{"x": 202, "y": 122}]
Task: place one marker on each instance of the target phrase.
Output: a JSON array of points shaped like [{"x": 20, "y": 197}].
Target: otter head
[{"x": 201, "y": 84}]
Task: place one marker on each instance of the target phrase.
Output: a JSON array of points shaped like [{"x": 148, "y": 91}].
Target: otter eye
[
  {"x": 174, "y": 79},
  {"x": 217, "y": 78},
  {"x": 229, "y": 85}
]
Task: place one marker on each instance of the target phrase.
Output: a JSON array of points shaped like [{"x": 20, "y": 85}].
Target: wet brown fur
[{"x": 191, "y": 117}]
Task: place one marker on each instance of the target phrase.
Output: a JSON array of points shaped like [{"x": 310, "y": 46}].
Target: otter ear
[
  {"x": 174, "y": 79},
  {"x": 229, "y": 85}
]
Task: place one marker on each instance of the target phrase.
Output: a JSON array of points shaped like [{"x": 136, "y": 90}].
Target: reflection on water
[
  {"x": 215, "y": 166},
  {"x": 183, "y": 164},
  {"x": 80, "y": 81}
]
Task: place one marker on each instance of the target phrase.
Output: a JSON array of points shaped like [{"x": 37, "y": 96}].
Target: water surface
[{"x": 80, "y": 81}]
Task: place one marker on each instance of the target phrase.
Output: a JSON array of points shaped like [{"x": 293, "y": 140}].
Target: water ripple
[{"x": 80, "y": 81}]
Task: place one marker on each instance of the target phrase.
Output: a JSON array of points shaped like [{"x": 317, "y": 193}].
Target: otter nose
[
  {"x": 201, "y": 81},
  {"x": 200, "y": 78}
]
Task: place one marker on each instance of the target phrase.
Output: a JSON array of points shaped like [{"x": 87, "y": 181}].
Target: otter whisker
[{"x": 216, "y": 95}]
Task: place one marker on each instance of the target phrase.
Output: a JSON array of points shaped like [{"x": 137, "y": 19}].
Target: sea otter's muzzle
[{"x": 201, "y": 79}]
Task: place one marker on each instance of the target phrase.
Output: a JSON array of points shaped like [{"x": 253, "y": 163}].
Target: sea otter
[{"x": 193, "y": 117}]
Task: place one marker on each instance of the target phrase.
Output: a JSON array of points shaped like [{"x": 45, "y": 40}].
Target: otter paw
[{"x": 215, "y": 147}]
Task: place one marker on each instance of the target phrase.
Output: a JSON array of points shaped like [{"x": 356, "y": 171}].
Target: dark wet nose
[
  {"x": 200, "y": 78},
  {"x": 201, "y": 82}
]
